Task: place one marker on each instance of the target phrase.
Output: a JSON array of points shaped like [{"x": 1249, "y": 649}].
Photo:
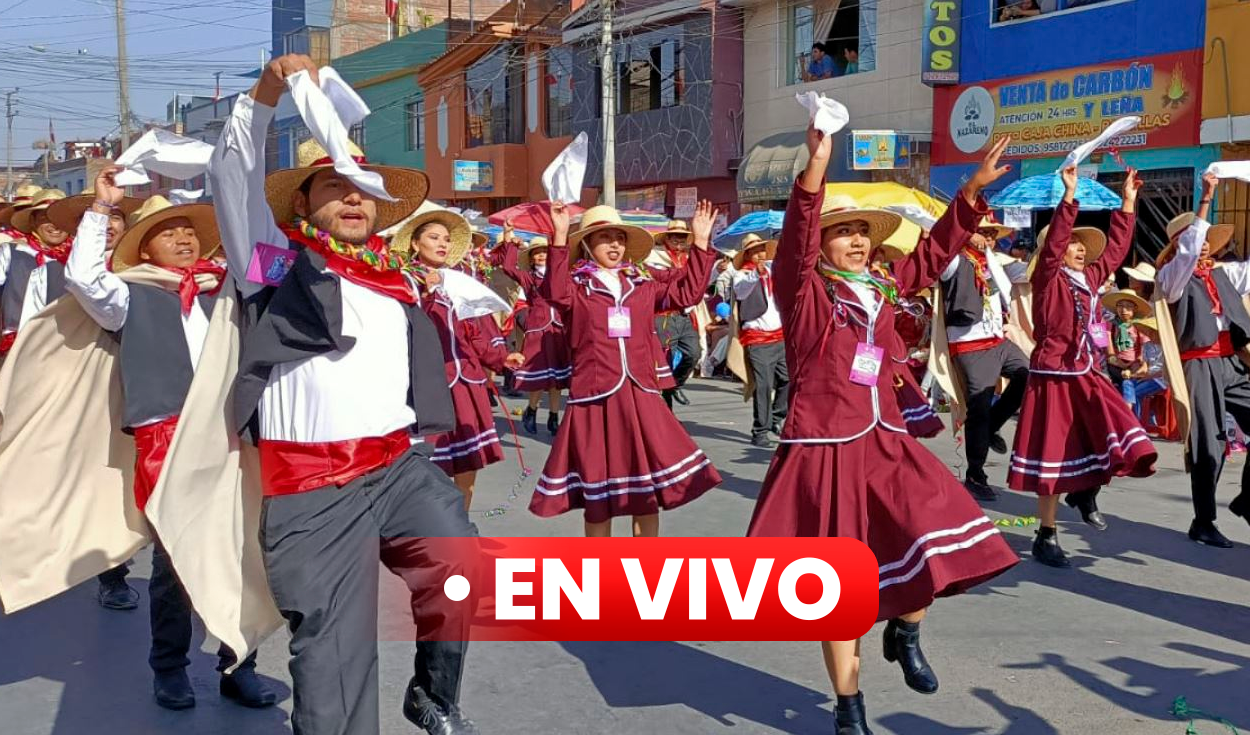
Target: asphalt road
[{"x": 1144, "y": 617}]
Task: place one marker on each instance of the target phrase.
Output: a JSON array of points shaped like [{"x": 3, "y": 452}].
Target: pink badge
[
  {"x": 269, "y": 264},
  {"x": 867, "y": 364},
  {"x": 1098, "y": 333},
  {"x": 618, "y": 322}
]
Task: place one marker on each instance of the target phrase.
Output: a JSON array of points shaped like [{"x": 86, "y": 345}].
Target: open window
[
  {"x": 1006, "y": 11},
  {"x": 831, "y": 38}
]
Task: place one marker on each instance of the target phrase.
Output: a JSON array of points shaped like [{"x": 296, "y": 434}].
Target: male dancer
[
  {"x": 761, "y": 336},
  {"x": 673, "y": 324},
  {"x": 976, "y": 296},
  {"x": 336, "y": 372},
  {"x": 32, "y": 272}
]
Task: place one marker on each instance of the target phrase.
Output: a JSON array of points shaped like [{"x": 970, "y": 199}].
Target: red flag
[{"x": 392, "y": 8}]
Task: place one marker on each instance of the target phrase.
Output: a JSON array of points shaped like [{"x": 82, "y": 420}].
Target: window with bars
[
  {"x": 1233, "y": 198},
  {"x": 357, "y": 134},
  {"x": 416, "y": 125},
  {"x": 559, "y": 84}
]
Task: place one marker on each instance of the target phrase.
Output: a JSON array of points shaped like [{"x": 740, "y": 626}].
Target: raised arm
[
  {"x": 688, "y": 284},
  {"x": 799, "y": 246},
  {"x": 104, "y": 296},
  {"x": 510, "y": 264},
  {"x": 1059, "y": 235},
  {"x": 1174, "y": 274},
  {"x": 557, "y": 284},
  {"x": 1120, "y": 235}
]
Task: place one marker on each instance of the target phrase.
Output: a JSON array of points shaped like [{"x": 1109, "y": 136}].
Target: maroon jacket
[
  {"x": 470, "y": 346},
  {"x": 541, "y": 313},
  {"x": 602, "y": 363},
  {"x": 1064, "y": 346},
  {"x": 822, "y": 335}
]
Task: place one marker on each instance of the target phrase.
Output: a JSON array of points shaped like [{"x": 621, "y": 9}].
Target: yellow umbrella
[{"x": 883, "y": 193}]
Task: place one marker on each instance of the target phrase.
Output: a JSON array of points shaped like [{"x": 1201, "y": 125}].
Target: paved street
[{"x": 1144, "y": 617}]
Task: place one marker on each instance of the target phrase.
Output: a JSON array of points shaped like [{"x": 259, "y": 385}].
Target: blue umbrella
[
  {"x": 766, "y": 223},
  {"x": 1046, "y": 191},
  {"x": 494, "y": 231}
]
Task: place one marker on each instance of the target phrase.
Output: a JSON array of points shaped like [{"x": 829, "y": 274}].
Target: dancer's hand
[
  {"x": 514, "y": 361},
  {"x": 989, "y": 171},
  {"x": 701, "y": 225},
  {"x": 272, "y": 83},
  {"x": 560, "y": 222},
  {"x": 1132, "y": 185}
]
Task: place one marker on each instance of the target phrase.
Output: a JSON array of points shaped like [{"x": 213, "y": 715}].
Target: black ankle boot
[
  {"x": 851, "y": 717},
  {"x": 902, "y": 644},
  {"x": 1086, "y": 501},
  {"x": 553, "y": 421},
  {"x": 1240, "y": 507},
  {"x": 529, "y": 420},
  {"x": 1046, "y": 549}
]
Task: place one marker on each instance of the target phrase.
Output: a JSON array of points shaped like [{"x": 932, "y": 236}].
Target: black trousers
[
  {"x": 677, "y": 334},
  {"x": 1217, "y": 385},
  {"x": 772, "y": 386},
  {"x": 116, "y": 575},
  {"x": 321, "y": 556},
  {"x": 169, "y": 610},
  {"x": 981, "y": 371}
]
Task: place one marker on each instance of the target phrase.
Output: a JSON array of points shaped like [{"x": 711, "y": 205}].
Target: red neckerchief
[
  {"x": 386, "y": 281},
  {"x": 679, "y": 257},
  {"x": 765, "y": 277},
  {"x": 1205, "y": 270},
  {"x": 59, "y": 253},
  {"x": 189, "y": 288},
  {"x": 980, "y": 268}
]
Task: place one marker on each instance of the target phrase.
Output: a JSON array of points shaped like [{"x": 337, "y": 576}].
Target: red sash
[
  {"x": 1223, "y": 347},
  {"x": 151, "y": 445},
  {"x": 974, "y": 345},
  {"x": 288, "y": 468}
]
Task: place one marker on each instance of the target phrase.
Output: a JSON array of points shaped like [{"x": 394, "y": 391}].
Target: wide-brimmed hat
[
  {"x": 457, "y": 227},
  {"x": 1143, "y": 272},
  {"x": 638, "y": 242},
  {"x": 752, "y": 242},
  {"x": 479, "y": 238},
  {"x": 1112, "y": 298},
  {"x": 1000, "y": 230},
  {"x": 408, "y": 185},
  {"x": 536, "y": 244},
  {"x": 39, "y": 202},
  {"x": 1218, "y": 236},
  {"x": 1091, "y": 237},
  {"x": 150, "y": 215},
  {"x": 21, "y": 199},
  {"x": 890, "y": 253},
  {"x": 675, "y": 227},
  {"x": 843, "y": 208},
  {"x": 1149, "y": 322},
  {"x": 67, "y": 213}
]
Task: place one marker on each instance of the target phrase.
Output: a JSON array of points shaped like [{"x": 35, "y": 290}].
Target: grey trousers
[
  {"x": 981, "y": 371},
  {"x": 322, "y": 550},
  {"x": 772, "y": 386},
  {"x": 1216, "y": 385},
  {"x": 676, "y": 332}
]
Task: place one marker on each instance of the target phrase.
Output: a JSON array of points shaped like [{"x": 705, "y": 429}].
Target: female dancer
[
  {"x": 1075, "y": 431},
  {"x": 619, "y": 451},
  {"x": 846, "y": 465},
  {"x": 546, "y": 347},
  {"x": 436, "y": 242}
]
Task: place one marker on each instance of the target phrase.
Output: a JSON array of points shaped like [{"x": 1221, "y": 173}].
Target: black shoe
[
  {"x": 426, "y": 714},
  {"x": 553, "y": 421},
  {"x": 1046, "y": 549},
  {"x": 981, "y": 491},
  {"x": 902, "y": 644},
  {"x": 245, "y": 687},
  {"x": 529, "y": 420},
  {"x": 117, "y": 596},
  {"x": 1205, "y": 532},
  {"x": 763, "y": 442},
  {"x": 680, "y": 395},
  {"x": 173, "y": 689},
  {"x": 1085, "y": 503},
  {"x": 1240, "y": 508},
  {"x": 998, "y": 443},
  {"x": 776, "y": 430},
  {"x": 852, "y": 720}
]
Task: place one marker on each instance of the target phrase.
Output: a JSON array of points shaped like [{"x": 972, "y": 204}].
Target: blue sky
[{"x": 173, "y": 47}]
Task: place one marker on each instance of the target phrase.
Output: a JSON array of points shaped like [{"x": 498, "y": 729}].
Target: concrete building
[{"x": 1226, "y": 104}]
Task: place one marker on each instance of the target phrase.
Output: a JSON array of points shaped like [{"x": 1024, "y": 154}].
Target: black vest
[
  {"x": 20, "y": 268},
  {"x": 964, "y": 304},
  {"x": 156, "y": 367},
  {"x": 754, "y": 306},
  {"x": 303, "y": 318},
  {"x": 1194, "y": 322}
]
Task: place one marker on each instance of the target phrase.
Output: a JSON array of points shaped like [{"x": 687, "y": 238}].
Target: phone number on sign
[{"x": 1063, "y": 146}]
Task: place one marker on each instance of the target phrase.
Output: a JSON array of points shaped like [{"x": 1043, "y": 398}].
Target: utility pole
[
  {"x": 9, "y": 114},
  {"x": 607, "y": 74},
  {"x": 123, "y": 74}
]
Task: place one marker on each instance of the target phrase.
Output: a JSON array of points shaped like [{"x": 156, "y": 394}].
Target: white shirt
[
  {"x": 743, "y": 284},
  {"x": 871, "y": 300},
  {"x": 611, "y": 280},
  {"x": 105, "y": 297},
  {"x": 991, "y": 324},
  {"x": 341, "y": 395},
  {"x": 6, "y": 259},
  {"x": 1175, "y": 273}
]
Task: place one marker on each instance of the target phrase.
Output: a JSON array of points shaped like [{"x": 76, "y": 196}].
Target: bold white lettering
[
  {"x": 742, "y": 607},
  {"x": 506, "y": 588},
  {"x": 584, "y": 599},
  {"x": 652, "y": 608},
  {"x": 788, "y": 583},
  {"x": 698, "y": 589}
]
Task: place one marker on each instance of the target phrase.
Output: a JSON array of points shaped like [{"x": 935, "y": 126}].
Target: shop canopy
[{"x": 770, "y": 167}]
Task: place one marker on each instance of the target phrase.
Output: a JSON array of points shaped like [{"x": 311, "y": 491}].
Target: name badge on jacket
[
  {"x": 1098, "y": 333},
  {"x": 867, "y": 364},
  {"x": 618, "y": 322},
  {"x": 269, "y": 264}
]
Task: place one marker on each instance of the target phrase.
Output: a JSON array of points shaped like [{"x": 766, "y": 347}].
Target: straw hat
[
  {"x": 38, "y": 203},
  {"x": 890, "y": 253},
  {"x": 1091, "y": 237},
  {"x": 408, "y": 185},
  {"x": 1143, "y": 272},
  {"x": 68, "y": 212},
  {"x": 538, "y": 243},
  {"x": 753, "y": 242},
  {"x": 480, "y": 239},
  {"x": 21, "y": 198},
  {"x": 675, "y": 227},
  {"x": 1111, "y": 298},
  {"x": 152, "y": 213},
  {"x": 1148, "y": 322},
  {"x": 1218, "y": 236},
  {"x": 843, "y": 208},
  {"x": 457, "y": 227},
  {"x": 1000, "y": 230},
  {"x": 638, "y": 242}
]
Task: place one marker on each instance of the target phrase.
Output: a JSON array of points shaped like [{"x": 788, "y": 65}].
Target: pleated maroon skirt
[
  {"x": 1076, "y": 433},
  {"x": 623, "y": 455},
  {"x": 547, "y": 361},
  {"x": 474, "y": 443},
  {"x": 885, "y": 489},
  {"x": 922, "y": 421}
]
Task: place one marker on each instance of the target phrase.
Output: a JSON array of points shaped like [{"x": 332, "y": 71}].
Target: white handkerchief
[
  {"x": 1230, "y": 170},
  {"x": 350, "y": 107},
  {"x": 1123, "y": 125},
  {"x": 185, "y": 196},
  {"x": 826, "y": 114},
  {"x": 914, "y": 213},
  {"x": 328, "y": 129},
  {"x": 470, "y": 297},
  {"x": 563, "y": 178},
  {"x": 164, "y": 153}
]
